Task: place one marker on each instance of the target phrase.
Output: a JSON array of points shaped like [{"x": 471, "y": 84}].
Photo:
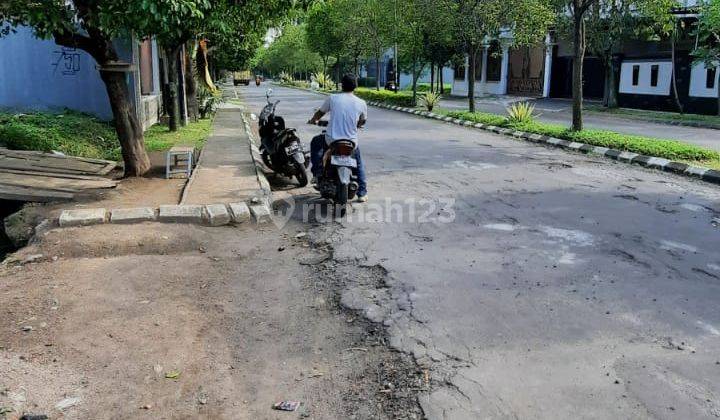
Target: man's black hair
[{"x": 348, "y": 83}]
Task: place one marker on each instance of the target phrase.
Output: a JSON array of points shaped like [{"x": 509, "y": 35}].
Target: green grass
[
  {"x": 72, "y": 133},
  {"x": 712, "y": 121},
  {"x": 79, "y": 134},
  {"x": 400, "y": 98},
  {"x": 665, "y": 148},
  {"x": 158, "y": 138}
]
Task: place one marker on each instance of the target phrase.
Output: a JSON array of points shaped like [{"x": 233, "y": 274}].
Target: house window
[
  {"x": 459, "y": 72},
  {"x": 146, "y": 68},
  {"x": 654, "y": 71},
  {"x": 636, "y": 75},
  {"x": 710, "y": 78},
  {"x": 494, "y": 62}
]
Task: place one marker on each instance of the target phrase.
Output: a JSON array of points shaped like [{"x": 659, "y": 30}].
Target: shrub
[
  {"x": 70, "y": 132},
  {"x": 430, "y": 99},
  {"x": 521, "y": 112},
  {"x": 285, "y": 77},
  {"x": 324, "y": 80},
  {"x": 479, "y": 117},
  {"x": 389, "y": 97}
]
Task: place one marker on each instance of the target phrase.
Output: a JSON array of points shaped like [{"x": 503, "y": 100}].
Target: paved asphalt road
[
  {"x": 566, "y": 286},
  {"x": 559, "y": 111}
]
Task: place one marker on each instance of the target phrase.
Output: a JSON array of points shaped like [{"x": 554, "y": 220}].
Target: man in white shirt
[{"x": 347, "y": 114}]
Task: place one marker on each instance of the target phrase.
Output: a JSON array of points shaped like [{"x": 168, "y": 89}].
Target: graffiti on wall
[{"x": 66, "y": 61}]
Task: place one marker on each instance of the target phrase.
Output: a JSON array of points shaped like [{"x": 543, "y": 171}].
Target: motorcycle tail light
[{"x": 344, "y": 149}]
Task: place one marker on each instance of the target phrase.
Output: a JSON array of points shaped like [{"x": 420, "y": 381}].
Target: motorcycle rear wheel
[
  {"x": 266, "y": 160},
  {"x": 341, "y": 199},
  {"x": 300, "y": 174}
]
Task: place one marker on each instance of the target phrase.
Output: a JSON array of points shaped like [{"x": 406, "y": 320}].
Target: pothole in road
[{"x": 362, "y": 295}]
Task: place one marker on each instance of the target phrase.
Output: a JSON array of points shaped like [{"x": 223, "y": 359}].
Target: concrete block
[
  {"x": 217, "y": 214},
  {"x": 82, "y": 217},
  {"x": 695, "y": 171},
  {"x": 181, "y": 213},
  {"x": 260, "y": 212},
  {"x": 627, "y": 156},
  {"x": 134, "y": 215},
  {"x": 656, "y": 162},
  {"x": 239, "y": 212}
]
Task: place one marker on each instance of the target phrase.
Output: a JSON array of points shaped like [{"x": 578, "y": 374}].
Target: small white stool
[{"x": 179, "y": 154}]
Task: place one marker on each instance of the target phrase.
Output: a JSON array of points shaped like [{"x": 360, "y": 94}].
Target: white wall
[
  {"x": 643, "y": 87},
  {"x": 698, "y": 77}
]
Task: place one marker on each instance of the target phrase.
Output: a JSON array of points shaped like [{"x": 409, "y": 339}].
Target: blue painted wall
[{"x": 38, "y": 74}]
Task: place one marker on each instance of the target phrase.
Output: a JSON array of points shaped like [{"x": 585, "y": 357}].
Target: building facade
[
  {"x": 39, "y": 75},
  {"x": 643, "y": 73}
]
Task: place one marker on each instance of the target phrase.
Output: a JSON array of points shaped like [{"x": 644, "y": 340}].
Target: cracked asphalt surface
[{"x": 535, "y": 283}]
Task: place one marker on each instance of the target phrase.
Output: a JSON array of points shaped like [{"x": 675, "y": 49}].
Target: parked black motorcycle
[
  {"x": 280, "y": 147},
  {"x": 338, "y": 181}
]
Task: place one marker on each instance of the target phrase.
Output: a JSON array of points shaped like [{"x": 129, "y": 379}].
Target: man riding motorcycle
[{"x": 347, "y": 114}]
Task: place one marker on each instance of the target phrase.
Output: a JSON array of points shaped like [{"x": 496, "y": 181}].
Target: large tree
[
  {"x": 321, "y": 32},
  {"x": 376, "y": 30},
  {"x": 708, "y": 35},
  {"x": 92, "y": 26}
]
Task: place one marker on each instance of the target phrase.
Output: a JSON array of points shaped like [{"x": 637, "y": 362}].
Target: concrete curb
[
  {"x": 257, "y": 160},
  {"x": 652, "y": 162},
  {"x": 206, "y": 215}
]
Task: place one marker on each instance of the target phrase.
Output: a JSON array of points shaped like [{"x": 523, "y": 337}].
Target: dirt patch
[
  {"x": 195, "y": 323},
  {"x": 152, "y": 190}
]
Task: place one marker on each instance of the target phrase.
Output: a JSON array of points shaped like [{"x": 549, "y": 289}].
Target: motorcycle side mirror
[{"x": 268, "y": 93}]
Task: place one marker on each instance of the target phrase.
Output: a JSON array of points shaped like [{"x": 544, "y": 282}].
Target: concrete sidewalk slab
[{"x": 226, "y": 170}]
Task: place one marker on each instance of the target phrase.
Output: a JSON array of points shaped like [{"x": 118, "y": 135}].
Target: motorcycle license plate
[{"x": 343, "y": 161}]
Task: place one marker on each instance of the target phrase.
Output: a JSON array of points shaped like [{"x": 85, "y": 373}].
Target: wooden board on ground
[
  {"x": 49, "y": 162},
  {"x": 42, "y": 177}
]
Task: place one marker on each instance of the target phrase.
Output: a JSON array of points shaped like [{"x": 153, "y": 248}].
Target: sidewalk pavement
[
  {"x": 559, "y": 111},
  {"x": 225, "y": 172}
]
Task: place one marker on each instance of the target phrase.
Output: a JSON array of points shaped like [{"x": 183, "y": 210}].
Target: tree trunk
[
  {"x": 432, "y": 77},
  {"x": 442, "y": 82},
  {"x": 337, "y": 73},
  {"x": 472, "y": 56},
  {"x": 377, "y": 72},
  {"x": 191, "y": 85},
  {"x": 357, "y": 70},
  {"x": 612, "y": 97},
  {"x": 127, "y": 126},
  {"x": 173, "y": 88},
  {"x": 577, "y": 77},
  {"x": 414, "y": 84},
  {"x": 674, "y": 73}
]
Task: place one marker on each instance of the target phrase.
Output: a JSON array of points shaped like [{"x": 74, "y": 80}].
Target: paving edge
[
  {"x": 257, "y": 160},
  {"x": 218, "y": 214},
  {"x": 705, "y": 174}
]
